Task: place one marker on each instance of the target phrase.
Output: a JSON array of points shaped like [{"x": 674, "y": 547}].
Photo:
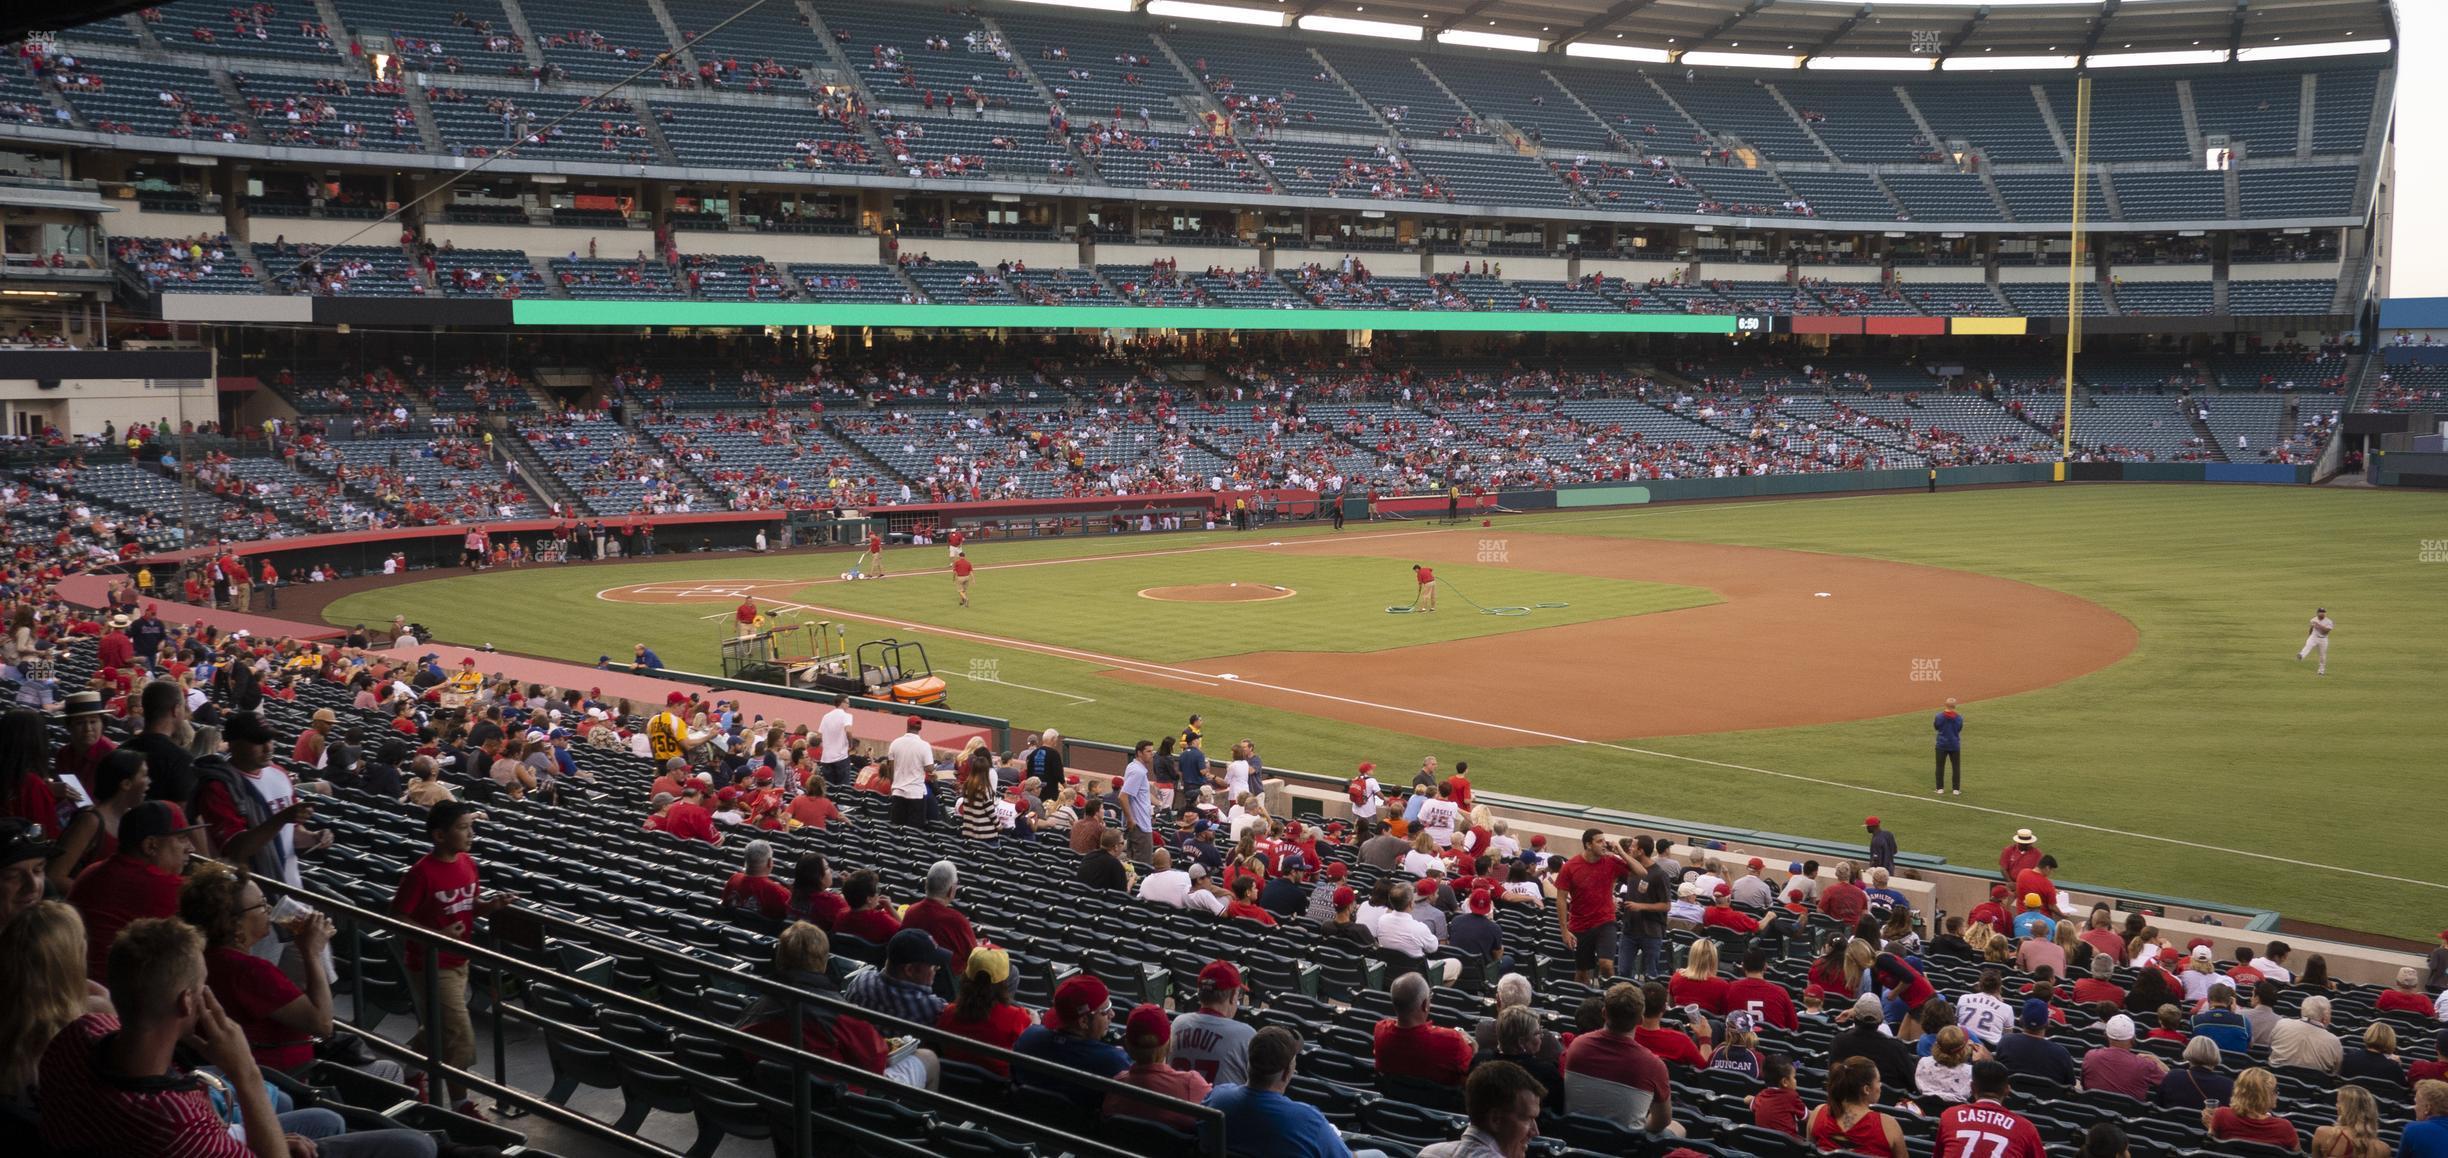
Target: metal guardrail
[{"x": 808, "y": 1129}]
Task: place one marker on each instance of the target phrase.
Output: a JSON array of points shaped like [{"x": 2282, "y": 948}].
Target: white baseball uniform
[{"x": 2318, "y": 641}]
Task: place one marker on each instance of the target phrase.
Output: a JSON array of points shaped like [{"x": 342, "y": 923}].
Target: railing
[{"x": 807, "y": 1127}]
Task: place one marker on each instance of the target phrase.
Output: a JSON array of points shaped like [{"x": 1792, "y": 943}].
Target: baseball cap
[
  {"x": 2036, "y": 1014},
  {"x": 1343, "y": 895},
  {"x": 2120, "y": 1028},
  {"x": 22, "y": 839},
  {"x": 1337, "y": 871},
  {"x": 1687, "y": 890},
  {"x": 1870, "y": 822},
  {"x": 728, "y": 794},
  {"x": 1724, "y": 889},
  {"x": 1757, "y": 863},
  {"x": 914, "y": 947},
  {"x": 1482, "y": 901},
  {"x": 1794, "y": 867},
  {"x": 1999, "y": 892},
  {"x": 1077, "y": 998},
  {"x": 1869, "y": 1005},
  {"x": 2201, "y": 953},
  {"x": 1219, "y": 976},
  {"x": 467, "y": 661},
  {"x": 2031, "y": 900},
  {"x": 1366, "y": 768},
  {"x": 151, "y": 819},
  {"x": 994, "y": 963},
  {"x": 1538, "y": 840},
  {"x": 1148, "y": 1027},
  {"x": 675, "y": 699},
  {"x": 764, "y": 775}
]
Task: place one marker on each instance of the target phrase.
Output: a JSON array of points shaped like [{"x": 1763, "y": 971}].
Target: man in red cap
[
  {"x": 1753, "y": 890},
  {"x": 1212, "y": 1041},
  {"x": 911, "y": 762},
  {"x": 1721, "y": 913},
  {"x": 1882, "y": 845},
  {"x": 1477, "y": 935},
  {"x": 1147, "y": 1036},
  {"x": 141, "y": 880},
  {"x": 1073, "y": 1037},
  {"x": 667, "y": 734},
  {"x": 1992, "y": 912}
]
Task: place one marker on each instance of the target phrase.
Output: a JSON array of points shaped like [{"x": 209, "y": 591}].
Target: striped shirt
[{"x": 87, "y": 1109}]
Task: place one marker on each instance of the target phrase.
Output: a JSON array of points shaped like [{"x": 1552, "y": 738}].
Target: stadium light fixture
[
  {"x": 1497, "y": 40},
  {"x": 2157, "y": 59},
  {"x": 1873, "y": 63},
  {"x": 2006, "y": 63},
  {"x": 1351, "y": 27},
  {"x": 1617, "y": 52},
  {"x": 1099, "y": 5},
  {"x": 1220, "y": 13},
  {"x": 1741, "y": 60},
  {"x": 2329, "y": 48}
]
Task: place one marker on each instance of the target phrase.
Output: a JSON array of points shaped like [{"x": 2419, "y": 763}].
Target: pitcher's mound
[{"x": 1218, "y": 593}]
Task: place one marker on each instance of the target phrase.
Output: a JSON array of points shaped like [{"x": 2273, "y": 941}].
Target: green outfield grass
[{"x": 2209, "y": 733}]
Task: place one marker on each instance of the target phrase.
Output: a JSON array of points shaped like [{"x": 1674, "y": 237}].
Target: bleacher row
[
  {"x": 958, "y": 94},
  {"x": 640, "y": 912},
  {"x": 178, "y": 265}
]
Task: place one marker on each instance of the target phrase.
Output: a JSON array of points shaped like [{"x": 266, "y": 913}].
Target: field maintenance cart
[{"x": 817, "y": 655}]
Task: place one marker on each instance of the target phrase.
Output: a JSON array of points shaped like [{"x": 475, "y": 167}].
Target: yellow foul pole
[{"x": 2074, "y": 260}]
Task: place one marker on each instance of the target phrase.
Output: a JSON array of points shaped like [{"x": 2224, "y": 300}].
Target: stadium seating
[
  {"x": 488, "y": 273},
  {"x": 1999, "y": 117},
  {"x": 2046, "y": 300},
  {"x": 596, "y": 42},
  {"x": 193, "y": 265},
  {"x": 329, "y": 113},
  {"x": 1941, "y": 195},
  {"x": 1098, "y": 70},
  {"x": 2133, "y": 118},
  {"x": 2172, "y": 196},
  {"x": 2258, "y": 112},
  {"x": 2342, "y": 108},
  {"x": 756, "y": 137},
  {"x": 149, "y": 99},
  {"x": 2163, "y": 298},
  {"x": 2284, "y": 296},
  {"x": 268, "y": 29},
  {"x": 1268, "y": 84},
  {"x": 1500, "y": 178},
  {"x": 1955, "y": 299},
  {"x": 588, "y": 277},
  {"x": 1526, "y": 99},
  {"x": 2047, "y": 196},
  {"x": 2326, "y": 191},
  {"x": 541, "y": 125},
  {"x": 342, "y": 270},
  {"x": 1864, "y": 123},
  {"x": 1841, "y": 196},
  {"x": 936, "y": 147},
  {"x": 849, "y": 283},
  {"x": 440, "y": 36},
  {"x": 888, "y": 45}
]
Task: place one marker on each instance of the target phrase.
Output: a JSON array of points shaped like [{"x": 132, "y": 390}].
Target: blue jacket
[{"x": 1950, "y": 732}]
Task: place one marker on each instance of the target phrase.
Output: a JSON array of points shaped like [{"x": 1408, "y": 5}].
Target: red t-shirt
[
  {"x": 1249, "y": 912},
  {"x": 1730, "y": 919},
  {"x": 252, "y": 990},
  {"x": 814, "y": 811},
  {"x": 1427, "y": 574},
  {"x": 2226, "y": 1123},
  {"x": 1986, "y": 1129},
  {"x": 875, "y": 545},
  {"x": 2031, "y": 882},
  {"x": 438, "y": 894},
  {"x": 1003, "y": 1025},
  {"x": 949, "y": 926},
  {"x": 1670, "y": 1045},
  {"x": 877, "y": 925},
  {"x": 763, "y": 896},
  {"x": 1429, "y": 1052},
  {"x": 1845, "y": 902},
  {"x": 1708, "y": 993},
  {"x": 840, "y": 1037},
  {"x": 1763, "y": 998},
  {"x": 36, "y": 802},
  {"x": 1779, "y": 1109},
  {"x": 113, "y": 893},
  {"x": 1589, "y": 891},
  {"x": 747, "y": 613},
  {"x": 819, "y": 908},
  {"x": 954, "y": 538},
  {"x": 689, "y": 822},
  {"x": 961, "y": 567}
]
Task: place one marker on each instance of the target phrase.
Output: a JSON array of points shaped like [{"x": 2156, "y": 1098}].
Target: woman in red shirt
[
  {"x": 2247, "y": 1113},
  {"x": 869, "y": 916},
  {"x": 985, "y": 1011},
  {"x": 1847, "y": 1123},
  {"x": 1245, "y": 902},
  {"x": 281, "y": 1021},
  {"x": 1698, "y": 983}
]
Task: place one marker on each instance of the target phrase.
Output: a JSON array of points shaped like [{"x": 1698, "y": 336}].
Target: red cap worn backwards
[{"x": 1077, "y": 998}]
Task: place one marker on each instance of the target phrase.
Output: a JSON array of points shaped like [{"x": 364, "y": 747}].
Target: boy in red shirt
[
  {"x": 439, "y": 892},
  {"x": 1779, "y": 1106}
]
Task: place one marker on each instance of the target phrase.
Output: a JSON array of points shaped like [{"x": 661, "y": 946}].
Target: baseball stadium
[{"x": 1022, "y": 579}]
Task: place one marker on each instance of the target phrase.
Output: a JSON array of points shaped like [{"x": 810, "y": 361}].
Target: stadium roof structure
[{"x": 1808, "y": 30}]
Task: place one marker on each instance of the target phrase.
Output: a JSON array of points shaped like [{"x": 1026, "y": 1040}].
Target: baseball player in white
[{"x": 2319, "y": 639}]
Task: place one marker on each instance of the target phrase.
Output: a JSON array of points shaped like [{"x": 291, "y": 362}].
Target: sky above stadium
[{"x": 2422, "y": 152}]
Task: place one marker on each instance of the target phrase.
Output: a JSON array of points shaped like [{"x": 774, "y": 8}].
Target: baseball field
[{"x": 2124, "y": 656}]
